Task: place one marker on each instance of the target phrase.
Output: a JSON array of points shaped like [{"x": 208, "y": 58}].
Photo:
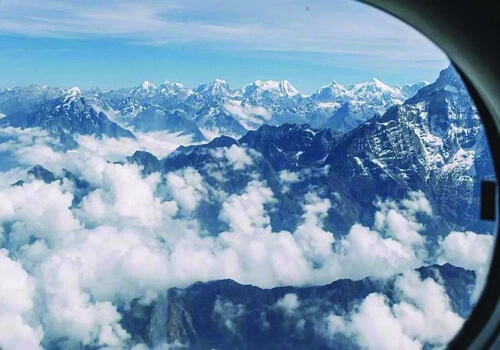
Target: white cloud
[
  {"x": 228, "y": 313},
  {"x": 246, "y": 212},
  {"x": 250, "y": 117},
  {"x": 238, "y": 157},
  {"x": 16, "y": 303},
  {"x": 365, "y": 252},
  {"x": 373, "y": 322},
  {"x": 158, "y": 143},
  {"x": 466, "y": 249},
  {"x": 289, "y": 176},
  {"x": 289, "y": 303},
  {"x": 313, "y": 239},
  {"x": 125, "y": 195},
  {"x": 37, "y": 209},
  {"x": 340, "y": 26},
  {"x": 399, "y": 220},
  {"x": 425, "y": 312},
  {"x": 422, "y": 316},
  {"x": 135, "y": 237},
  {"x": 471, "y": 251},
  {"x": 186, "y": 187}
]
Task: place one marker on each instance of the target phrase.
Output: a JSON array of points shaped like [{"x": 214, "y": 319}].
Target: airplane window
[{"x": 291, "y": 175}]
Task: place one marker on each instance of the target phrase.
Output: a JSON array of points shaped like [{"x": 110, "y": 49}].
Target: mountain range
[{"x": 206, "y": 111}]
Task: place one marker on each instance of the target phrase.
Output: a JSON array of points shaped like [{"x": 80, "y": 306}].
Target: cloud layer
[{"x": 135, "y": 236}]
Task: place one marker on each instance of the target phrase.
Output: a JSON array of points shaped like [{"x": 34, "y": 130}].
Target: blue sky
[{"x": 121, "y": 43}]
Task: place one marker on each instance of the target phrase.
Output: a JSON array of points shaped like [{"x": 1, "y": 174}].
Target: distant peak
[
  {"x": 146, "y": 85},
  {"x": 220, "y": 81},
  {"x": 172, "y": 83},
  {"x": 74, "y": 91}
]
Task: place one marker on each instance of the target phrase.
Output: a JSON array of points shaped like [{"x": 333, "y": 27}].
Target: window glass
[{"x": 291, "y": 175}]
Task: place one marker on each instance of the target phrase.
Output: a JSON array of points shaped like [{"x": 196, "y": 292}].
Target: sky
[{"x": 122, "y": 43}]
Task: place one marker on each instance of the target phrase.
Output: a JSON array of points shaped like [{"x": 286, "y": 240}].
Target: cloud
[
  {"x": 371, "y": 324},
  {"x": 245, "y": 212},
  {"x": 422, "y": 316},
  {"x": 365, "y": 252},
  {"x": 339, "y": 27},
  {"x": 135, "y": 236},
  {"x": 158, "y": 143},
  {"x": 466, "y": 249},
  {"x": 236, "y": 156},
  {"x": 17, "y": 290},
  {"x": 125, "y": 195},
  {"x": 289, "y": 176},
  {"x": 425, "y": 311},
  {"x": 250, "y": 117},
  {"x": 37, "y": 210},
  {"x": 227, "y": 313},
  {"x": 310, "y": 235},
  {"x": 471, "y": 251},
  {"x": 289, "y": 303},
  {"x": 186, "y": 187}
]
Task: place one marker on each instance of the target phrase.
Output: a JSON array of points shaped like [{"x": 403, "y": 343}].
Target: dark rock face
[
  {"x": 146, "y": 160},
  {"x": 40, "y": 173},
  {"x": 227, "y": 315}
]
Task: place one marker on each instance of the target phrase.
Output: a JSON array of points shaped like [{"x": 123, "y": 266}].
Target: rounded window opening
[{"x": 226, "y": 207}]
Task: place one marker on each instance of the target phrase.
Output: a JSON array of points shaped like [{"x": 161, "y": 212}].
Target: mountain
[
  {"x": 379, "y": 95},
  {"x": 156, "y": 118},
  {"x": 66, "y": 116},
  {"x": 410, "y": 90},
  {"x": 350, "y": 116},
  {"x": 434, "y": 141},
  {"x": 268, "y": 92},
  {"x": 227, "y": 315},
  {"x": 353, "y": 105},
  {"x": 26, "y": 99}
]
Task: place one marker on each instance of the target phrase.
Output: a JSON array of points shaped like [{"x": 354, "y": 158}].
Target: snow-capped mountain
[
  {"x": 26, "y": 99},
  {"x": 409, "y": 90},
  {"x": 268, "y": 92},
  {"x": 65, "y": 116}
]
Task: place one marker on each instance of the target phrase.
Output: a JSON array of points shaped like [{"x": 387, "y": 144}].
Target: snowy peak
[
  {"x": 331, "y": 92},
  {"x": 268, "y": 91},
  {"x": 374, "y": 85},
  {"x": 145, "y": 88},
  {"x": 376, "y": 93},
  {"x": 72, "y": 94},
  {"x": 172, "y": 88},
  {"x": 218, "y": 88},
  {"x": 448, "y": 83},
  {"x": 148, "y": 86},
  {"x": 450, "y": 80},
  {"x": 410, "y": 90},
  {"x": 74, "y": 91},
  {"x": 287, "y": 89}
]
